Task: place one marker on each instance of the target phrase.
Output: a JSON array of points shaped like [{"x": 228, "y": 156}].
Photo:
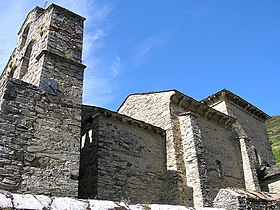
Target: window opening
[
  {"x": 219, "y": 168},
  {"x": 25, "y": 60},
  {"x": 24, "y": 36}
]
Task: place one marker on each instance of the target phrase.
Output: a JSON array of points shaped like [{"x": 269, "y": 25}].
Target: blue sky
[{"x": 195, "y": 46}]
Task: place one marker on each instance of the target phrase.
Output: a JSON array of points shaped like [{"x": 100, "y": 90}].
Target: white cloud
[
  {"x": 145, "y": 47},
  {"x": 100, "y": 82},
  {"x": 101, "y": 73},
  {"x": 115, "y": 68}
]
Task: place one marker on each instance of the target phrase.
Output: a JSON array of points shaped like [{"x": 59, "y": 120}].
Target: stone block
[
  {"x": 68, "y": 204},
  {"x": 27, "y": 201}
]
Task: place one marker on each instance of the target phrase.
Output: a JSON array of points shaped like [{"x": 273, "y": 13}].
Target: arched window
[
  {"x": 26, "y": 60},
  {"x": 24, "y": 36}
]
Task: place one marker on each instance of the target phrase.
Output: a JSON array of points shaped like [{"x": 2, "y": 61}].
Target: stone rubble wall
[
  {"x": 41, "y": 110},
  {"x": 195, "y": 144},
  {"x": 42, "y": 202},
  {"x": 271, "y": 180},
  {"x": 66, "y": 34},
  {"x": 16, "y": 132},
  {"x": 233, "y": 198},
  {"x": 129, "y": 157},
  {"x": 35, "y": 157}
]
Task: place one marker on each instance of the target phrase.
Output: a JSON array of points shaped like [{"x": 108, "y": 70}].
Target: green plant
[{"x": 273, "y": 130}]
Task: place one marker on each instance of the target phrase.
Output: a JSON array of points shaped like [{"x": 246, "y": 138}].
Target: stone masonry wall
[
  {"x": 130, "y": 159},
  {"x": 66, "y": 34},
  {"x": 55, "y": 30},
  {"x": 249, "y": 165},
  {"x": 253, "y": 129},
  {"x": 45, "y": 114},
  {"x": 88, "y": 172},
  {"x": 233, "y": 198},
  {"x": 271, "y": 180},
  {"x": 154, "y": 108},
  {"x": 222, "y": 155},
  {"x": 32, "y": 40},
  {"x": 35, "y": 155},
  {"x": 16, "y": 133},
  {"x": 200, "y": 141},
  {"x": 194, "y": 159}
]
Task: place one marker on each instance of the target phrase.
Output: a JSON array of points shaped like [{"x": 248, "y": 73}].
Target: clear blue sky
[{"x": 196, "y": 47}]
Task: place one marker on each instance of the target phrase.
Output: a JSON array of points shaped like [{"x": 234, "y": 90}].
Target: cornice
[
  {"x": 226, "y": 95},
  {"x": 190, "y": 105},
  {"x": 125, "y": 119},
  {"x": 52, "y": 54}
]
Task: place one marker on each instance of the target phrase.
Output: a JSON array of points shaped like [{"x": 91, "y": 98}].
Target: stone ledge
[
  {"x": 42, "y": 202},
  {"x": 191, "y": 105}
]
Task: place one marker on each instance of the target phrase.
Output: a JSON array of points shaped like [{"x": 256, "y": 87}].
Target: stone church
[{"x": 159, "y": 147}]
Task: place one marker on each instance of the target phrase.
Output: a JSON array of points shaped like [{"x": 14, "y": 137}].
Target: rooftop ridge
[
  {"x": 225, "y": 94},
  {"x": 193, "y": 106}
]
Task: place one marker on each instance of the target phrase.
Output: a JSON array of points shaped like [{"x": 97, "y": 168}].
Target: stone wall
[
  {"x": 16, "y": 133},
  {"x": 232, "y": 198},
  {"x": 186, "y": 136},
  {"x": 222, "y": 156},
  {"x": 249, "y": 164},
  {"x": 270, "y": 182},
  {"x": 41, "y": 108},
  {"x": 55, "y": 30},
  {"x": 249, "y": 124},
  {"x": 208, "y": 143},
  {"x": 38, "y": 144},
  {"x": 128, "y": 155},
  {"x": 194, "y": 159},
  {"x": 28, "y": 201},
  {"x": 253, "y": 129},
  {"x": 154, "y": 108}
]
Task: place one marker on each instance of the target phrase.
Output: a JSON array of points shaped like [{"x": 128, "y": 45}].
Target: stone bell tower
[{"x": 40, "y": 105}]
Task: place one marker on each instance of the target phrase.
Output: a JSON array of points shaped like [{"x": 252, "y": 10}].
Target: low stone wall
[
  {"x": 231, "y": 198},
  {"x": 28, "y": 201},
  {"x": 271, "y": 180}
]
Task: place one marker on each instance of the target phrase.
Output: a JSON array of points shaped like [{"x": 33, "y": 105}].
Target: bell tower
[{"x": 40, "y": 105}]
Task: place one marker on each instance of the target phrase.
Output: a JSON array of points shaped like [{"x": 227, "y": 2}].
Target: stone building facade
[
  {"x": 121, "y": 158},
  {"x": 159, "y": 147},
  {"x": 40, "y": 105},
  {"x": 203, "y": 145}
]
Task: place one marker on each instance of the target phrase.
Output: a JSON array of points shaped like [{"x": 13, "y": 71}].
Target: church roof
[
  {"x": 193, "y": 106},
  {"x": 226, "y": 95}
]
